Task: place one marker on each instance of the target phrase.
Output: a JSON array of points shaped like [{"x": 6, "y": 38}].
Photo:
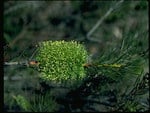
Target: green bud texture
[{"x": 61, "y": 61}]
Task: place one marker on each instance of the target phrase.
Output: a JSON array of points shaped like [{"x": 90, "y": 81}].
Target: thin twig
[
  {"x": 100, "y": 21},
  {"x": 27, "y": 63},
  {"x": 24, "y": 63}
]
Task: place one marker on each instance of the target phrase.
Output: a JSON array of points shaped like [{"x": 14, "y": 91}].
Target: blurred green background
[{"x": 28, "y": 22}]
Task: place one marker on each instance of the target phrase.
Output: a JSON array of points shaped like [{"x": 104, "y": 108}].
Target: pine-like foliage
[{"x": 116, "y": 76}]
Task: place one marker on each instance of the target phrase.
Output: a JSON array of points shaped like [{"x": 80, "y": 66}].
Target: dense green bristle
[{"x": 61, "y": 61}]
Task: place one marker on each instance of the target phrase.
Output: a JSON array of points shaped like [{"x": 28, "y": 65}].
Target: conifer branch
[
  {"x": 22, "y": 63},
  {"x": 25, "y": 63}
]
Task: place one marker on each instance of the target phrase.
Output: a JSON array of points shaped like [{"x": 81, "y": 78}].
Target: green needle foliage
[
  {"x": 43, "y": 103},
  {"x": 62, "y": 61},
  {"x": 38, "y": 103},
  {"x": 124, "y": 64},
  {"x": 22, "y": 102}
]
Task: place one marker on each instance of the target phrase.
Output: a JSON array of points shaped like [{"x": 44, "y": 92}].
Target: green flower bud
[{"x": 62, "y": 61}]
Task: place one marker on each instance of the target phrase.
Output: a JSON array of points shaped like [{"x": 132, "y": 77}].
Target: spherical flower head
[{"x": 62, "y": 61}]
